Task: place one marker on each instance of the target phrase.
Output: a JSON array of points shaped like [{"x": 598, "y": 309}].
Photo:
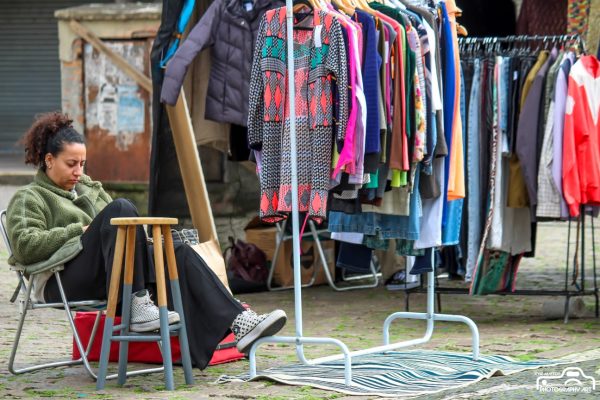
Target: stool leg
[
  {"x": 113, "y": 294},
  {"x": 126, "y": 302},
  {"x": 186, "y": 360},
  {"x": 162, "y": 307}
]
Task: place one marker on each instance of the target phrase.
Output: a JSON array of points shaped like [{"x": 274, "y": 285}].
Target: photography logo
[{"x": 571, "y": 380}]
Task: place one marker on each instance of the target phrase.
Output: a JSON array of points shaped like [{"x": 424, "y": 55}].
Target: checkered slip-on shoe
[{"x": 248, "y": 327}]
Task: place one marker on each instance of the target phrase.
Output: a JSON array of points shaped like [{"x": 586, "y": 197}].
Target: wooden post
[
  {"x": 191, "y": 170},
  {"x": 119, "y": 61}
]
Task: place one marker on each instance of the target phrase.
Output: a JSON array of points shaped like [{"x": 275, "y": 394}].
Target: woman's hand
[{"x": 85, "y": 228}]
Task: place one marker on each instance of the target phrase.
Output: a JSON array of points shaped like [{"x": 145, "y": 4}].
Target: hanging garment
[
  {"x": 456, "y": 178},
  {"x": 230, "y": 30},
  {"x": 398, "y": 154},
  {"x": 511, "y": 227},
  {"x": 474, "y": 201},
  {"x": 581, "y": 149},
  {"x": 454, "y": 208},
  {"x": 345, "y": 153},
  {"x": 166, "y": 195},
  {"x": 370, "y": 75},
  {"x": 548, "y": 201},
  {"x": 517, "y": 194},
  {"x": 558, "y": 131},
  {"x": 497, "y": 273},
  {"x": 320, "y": 62},
  {"x": 527, "y": 133}
]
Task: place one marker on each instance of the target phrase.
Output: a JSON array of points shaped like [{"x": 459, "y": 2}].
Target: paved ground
[{"x": 509, "y": 325}]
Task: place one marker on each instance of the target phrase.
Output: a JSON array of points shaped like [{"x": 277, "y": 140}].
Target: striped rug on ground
[{"x": 398, "y": 373}]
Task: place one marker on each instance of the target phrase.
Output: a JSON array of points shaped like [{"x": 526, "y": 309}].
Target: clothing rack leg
[
  {"x": 438, "y": 295},
  {"x": 566, "y": 314},
  {"x": 594, "y": 266},
  {"x": 430, "y": 316},
  {"x": 582, "y": 213}
]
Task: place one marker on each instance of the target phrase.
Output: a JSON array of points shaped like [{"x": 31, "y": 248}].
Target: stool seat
[
  {"x": 143, "y": 221},
  {"x": 125, "y": 249}
]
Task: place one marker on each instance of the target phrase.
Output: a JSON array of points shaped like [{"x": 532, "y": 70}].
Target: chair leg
[
  {"x": 159, "y": 267},
  {"x": 90, "y": 344},
  {"x": 124, "y": 345},
  {"x": 13, "y": 352},
  {"x": 176, "y": 294},
  {"x": 186, "y": 359},
  {"x": 113, "y": 294},
  {"x": 83, "y": 352},
  {"x": 166, "y": 345},
  {"x": 105, "y": 353},
  {"x": 15, "y": 347},
  {"x": 126, "y": 302}
]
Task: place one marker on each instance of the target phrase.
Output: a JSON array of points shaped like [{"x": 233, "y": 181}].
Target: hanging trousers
[{"x": 208, "y": 307}]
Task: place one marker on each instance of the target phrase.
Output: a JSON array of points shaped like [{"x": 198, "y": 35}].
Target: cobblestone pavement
[{"x": 509, "y": 325}]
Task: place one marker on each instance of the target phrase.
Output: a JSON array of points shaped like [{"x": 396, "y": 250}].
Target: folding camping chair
[{"x": 23, "y": 292}]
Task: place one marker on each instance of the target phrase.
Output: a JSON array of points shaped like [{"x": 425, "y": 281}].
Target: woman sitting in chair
[{"x": 63, "y": 218}]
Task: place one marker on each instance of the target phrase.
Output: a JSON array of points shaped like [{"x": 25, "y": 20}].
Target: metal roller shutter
[{"x": 29, "y": 65}]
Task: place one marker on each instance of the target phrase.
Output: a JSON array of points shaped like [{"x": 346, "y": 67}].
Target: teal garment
[
  {"x": 45, "y": 222},
  {"x": 496, "y": 273},
  {"x": 373, "y": 182},
  {"x": 182, "y": 22}
]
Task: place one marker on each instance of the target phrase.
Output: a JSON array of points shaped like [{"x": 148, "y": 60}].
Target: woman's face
[{"x": 66, "y": 167}]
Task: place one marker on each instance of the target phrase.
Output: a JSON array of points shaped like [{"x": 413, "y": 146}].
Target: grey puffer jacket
[{"x": 230, "y": 31}]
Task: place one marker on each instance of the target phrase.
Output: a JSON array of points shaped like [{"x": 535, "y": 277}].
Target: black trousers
[{"x": 208, "y": 307}]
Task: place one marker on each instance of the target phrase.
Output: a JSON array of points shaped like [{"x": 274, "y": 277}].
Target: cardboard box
[{"x": 265, "y": 239}]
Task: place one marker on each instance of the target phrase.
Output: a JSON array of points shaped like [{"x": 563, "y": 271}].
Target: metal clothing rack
[
  {"x": 299, "y": 339},
  {"x": 315, "y": 233},
  {"x": 580, "y": 287},
  {"x": 474, "y": 44}
]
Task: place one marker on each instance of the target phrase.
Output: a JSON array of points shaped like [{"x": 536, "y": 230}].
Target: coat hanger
[
  {"x": 363, "y": 5},
  {"x": 300, "y": 4},
  {"x": 339, "y": 4}
]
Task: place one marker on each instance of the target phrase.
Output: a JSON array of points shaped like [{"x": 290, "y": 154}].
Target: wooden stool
[{"x": 126, "y": 241}]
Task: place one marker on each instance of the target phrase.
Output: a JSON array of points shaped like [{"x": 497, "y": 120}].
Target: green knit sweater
[{"x": 45, "y": 222}]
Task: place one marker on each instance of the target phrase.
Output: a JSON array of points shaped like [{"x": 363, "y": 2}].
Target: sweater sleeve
[
  {"x": 104, "y": 196},
  {"x": 201, "y": 37},
  {"x": 337, "y": 61},
  {"x": 30, "y": 237},
  {"x": 256, "y": 102}
]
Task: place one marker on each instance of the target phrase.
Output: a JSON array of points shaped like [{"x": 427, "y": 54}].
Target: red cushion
[{"x": 142, "y": 352}]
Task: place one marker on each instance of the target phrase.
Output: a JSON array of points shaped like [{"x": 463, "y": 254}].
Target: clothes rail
[
  {"x": 579, "y": 268},
  {"x": 572, "y": 288},
  {"x": 300, "y": 340},
  {"x": 523, "y": 39}
]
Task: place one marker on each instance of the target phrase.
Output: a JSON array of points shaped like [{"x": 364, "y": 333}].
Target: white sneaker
[
  {"x": 145, "y": 315},
  {"x": 248, "y": 327}
]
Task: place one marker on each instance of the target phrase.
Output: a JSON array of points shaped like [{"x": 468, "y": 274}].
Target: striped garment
[{"x": 320, "y": 65}]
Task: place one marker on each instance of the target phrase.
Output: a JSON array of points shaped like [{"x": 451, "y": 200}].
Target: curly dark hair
[{"x": 48, "y": 134}]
